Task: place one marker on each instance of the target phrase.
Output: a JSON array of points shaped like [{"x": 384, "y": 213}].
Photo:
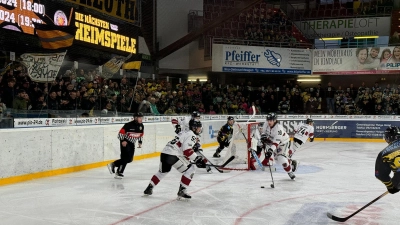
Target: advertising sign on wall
[
  {"x": 252, "y": 59},
  {"x": 376, "y": 60},
  {"x": 101, "y": 32},
  {"x": 127, "y": 10},
  {"x": 346, "y": 27}
]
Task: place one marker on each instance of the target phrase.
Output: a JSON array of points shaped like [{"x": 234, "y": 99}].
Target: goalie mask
[
  {"x": 196, "y": 127},
  {"x": 392, "y": 134}
]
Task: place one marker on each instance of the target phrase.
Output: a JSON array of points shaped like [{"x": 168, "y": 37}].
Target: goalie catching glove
[{"x": 200, "y": 162}]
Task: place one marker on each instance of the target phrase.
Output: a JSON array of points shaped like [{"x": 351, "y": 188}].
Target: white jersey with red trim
[
  {"x": 182, "y": 145},
  {"x": 183, "y": 121},
  {"x": 303, "y": 132},
  {"x": 277, "y": 135}
]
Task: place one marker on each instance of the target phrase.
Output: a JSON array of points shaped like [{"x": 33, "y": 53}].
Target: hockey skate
[
  {"x": 149, "y": 190},
  {"x": 182, "y": 195},
  {"x": 216, "y": 154},
  {"x": 118, "y": 175},
  {"x": 111, "y": 168},
  {"x": 295, "y": 164},
  {"x": 292, "y": 176}
]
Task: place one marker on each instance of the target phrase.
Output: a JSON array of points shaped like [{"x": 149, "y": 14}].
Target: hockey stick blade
[
  {"x": 341, "y": 219},
  {"x": 228, "y": 161}
]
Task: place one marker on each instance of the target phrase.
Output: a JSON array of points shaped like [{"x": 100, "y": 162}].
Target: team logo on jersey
[{"x": 140, "y": 128}]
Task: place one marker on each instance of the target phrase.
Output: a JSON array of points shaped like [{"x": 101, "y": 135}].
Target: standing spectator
[
  {"x": 40, "y": 103},
  {"x": 211, "y": 110},
  {"x": 3, "y": 110},
  {"x": 330, "y": 94},
  {"x": 9, "y": 93},
  {"x": 20, "y": 102},
  {"x": 352, "y": 91},
  {"x": 153, "y": 107},
  {"x": 53, "y": 102},
  {"x": 284, "y": 106}
]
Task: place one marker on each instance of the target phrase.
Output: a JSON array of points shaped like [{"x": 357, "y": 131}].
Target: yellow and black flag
[{"x": 55, "y": 37}]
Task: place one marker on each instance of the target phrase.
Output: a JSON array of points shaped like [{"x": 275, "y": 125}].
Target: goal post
[{"x": 242, "y": 139}]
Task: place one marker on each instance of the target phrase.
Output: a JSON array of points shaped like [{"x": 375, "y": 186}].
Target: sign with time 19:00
[{"x": 20, "y": 15}]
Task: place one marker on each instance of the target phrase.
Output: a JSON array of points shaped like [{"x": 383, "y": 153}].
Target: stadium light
[
  {"x": 366, "y": 37},
  {"x": 309, "y": 80},
  {"x": 331, "y": 39}
]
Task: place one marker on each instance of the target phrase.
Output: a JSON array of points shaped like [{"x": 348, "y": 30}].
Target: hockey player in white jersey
[
  {"x": 277, "y": 143},
  {"x": 182, "y": 123},
  {"x": 302, "y": 133},
  {"x": 179, "y": 153}
]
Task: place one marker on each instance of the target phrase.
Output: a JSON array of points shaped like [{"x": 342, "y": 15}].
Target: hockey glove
[
  {"x": 178, "y": 129},
  {"x": 196, "y": 147},
  {"x": 393, "y": 190},
  {"x": 268, "y": 154},
  {"x": 199, "y": 162},
  {"x": 264, "y": 138},
  {"x": 311, "y": 139}
]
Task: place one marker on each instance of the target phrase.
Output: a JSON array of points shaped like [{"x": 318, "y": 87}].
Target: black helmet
[
  {"x": 195, "y": 114},
  {"x": 139, "y": 114},
  {"x": 391, "y": 134},
  {"x": 309, "y": 120},
  {"x": 195, "y": 124},
  {"x": 271, "y": 116},
  {"x": 231, "y": 118}
]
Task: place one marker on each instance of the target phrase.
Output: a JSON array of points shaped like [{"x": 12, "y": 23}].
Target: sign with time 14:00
[{"x": 19, "y": 15}]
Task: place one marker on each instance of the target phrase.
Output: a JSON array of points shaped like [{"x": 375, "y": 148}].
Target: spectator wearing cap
[
  {"x": 9, "y": 93},
  {"x": 20, "y": 101}
]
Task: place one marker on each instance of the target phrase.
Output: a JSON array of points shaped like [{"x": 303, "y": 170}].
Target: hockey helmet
[
  {"x": 194, "y": 125},
  {"x": 195, "y": 114},
  {"x": 138, "y": 114},
  {"x": 391, "y": 134},
  {"x": 231, "y": 118},
  {"x": 271, "y": 116},
  {"x": 309, "y": 120}
]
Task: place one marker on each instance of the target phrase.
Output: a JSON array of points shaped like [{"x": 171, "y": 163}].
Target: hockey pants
[
  {"x": 180, "y": 164},
  {"x": 127, "y": 154},
  {"x": 281, "y": 157}
]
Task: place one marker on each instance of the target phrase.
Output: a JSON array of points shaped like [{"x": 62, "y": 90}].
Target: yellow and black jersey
[
  {"x": 388, "y": 160},
  {"x": 225, "y": 133}
]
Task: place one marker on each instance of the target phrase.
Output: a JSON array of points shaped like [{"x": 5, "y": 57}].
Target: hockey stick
[
  {"x": 253, "y": 153},
  {"x": 340, "y": 219},
  {"x": 217, "y": 166}
]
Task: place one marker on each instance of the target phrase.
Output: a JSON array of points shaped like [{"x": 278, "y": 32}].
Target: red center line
[
  {"x": 240, "y": 218},
  {"x": 165, "y": 203}
]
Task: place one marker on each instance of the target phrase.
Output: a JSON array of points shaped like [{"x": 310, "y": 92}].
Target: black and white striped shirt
[{"x": 132, "y": 132}]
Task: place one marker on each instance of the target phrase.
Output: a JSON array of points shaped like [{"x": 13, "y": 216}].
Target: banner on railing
[
  {"x": 375, "y": 60},
  {"x": 254, "y": 59},
  {"x": 43, "y": 67}
]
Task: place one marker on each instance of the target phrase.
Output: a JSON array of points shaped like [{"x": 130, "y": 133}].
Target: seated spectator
[
  {"x": 3, "y": 110},
  {"x": 284, "y": 106},
  {"x": 90, "y": 103},
  {"x": 379, "y": 110},
  {"x": 170, "y": 111},
  {"x": 40, "y": 103}
]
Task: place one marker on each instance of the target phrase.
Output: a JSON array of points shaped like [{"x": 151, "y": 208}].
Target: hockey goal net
[{"x": 239, "y": 146}]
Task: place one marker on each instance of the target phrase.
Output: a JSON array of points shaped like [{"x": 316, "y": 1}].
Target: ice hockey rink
[{"x": 335, "y": 177}]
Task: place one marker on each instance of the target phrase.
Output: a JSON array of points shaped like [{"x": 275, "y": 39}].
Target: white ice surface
[{"x": 333, "y": 177}]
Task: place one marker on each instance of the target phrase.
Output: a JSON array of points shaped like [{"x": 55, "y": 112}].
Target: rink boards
[{"x": 35, "y": 152}]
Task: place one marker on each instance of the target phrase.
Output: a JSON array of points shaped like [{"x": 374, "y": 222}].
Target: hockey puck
[
  {"x": 262, "y": 187},
  {"x": 272, "y": 186}
]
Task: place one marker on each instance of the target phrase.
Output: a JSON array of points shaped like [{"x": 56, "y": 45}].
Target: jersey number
[
  {"x": 176, "y": 139},
  {"x": 302, "y": 131},
  {"x": 280, "y": 132}
]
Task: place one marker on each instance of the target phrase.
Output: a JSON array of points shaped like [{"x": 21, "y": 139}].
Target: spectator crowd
[{"x": 87, "y": 91}]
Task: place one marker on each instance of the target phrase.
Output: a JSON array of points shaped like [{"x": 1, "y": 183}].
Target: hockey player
[
  {"x": 128, "y": 135},
  {"x": 302, "y": 133},
  {"x": 224, "y": 136},
  {"x": 184, "y": 122},
  {"x": 388, "y": 161},
  {"x": 178, "y": 153},
  {"x": 277, "y": 141}
]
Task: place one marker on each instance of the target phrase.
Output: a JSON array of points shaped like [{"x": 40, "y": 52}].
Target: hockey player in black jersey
[
  {"x": 224, "y": 136},
  {"x": 388, "y": 160},
  {"x": 128, "y": 135}
]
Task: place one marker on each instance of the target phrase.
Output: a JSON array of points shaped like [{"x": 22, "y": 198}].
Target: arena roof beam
[{"x": 197, "y": 33}]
